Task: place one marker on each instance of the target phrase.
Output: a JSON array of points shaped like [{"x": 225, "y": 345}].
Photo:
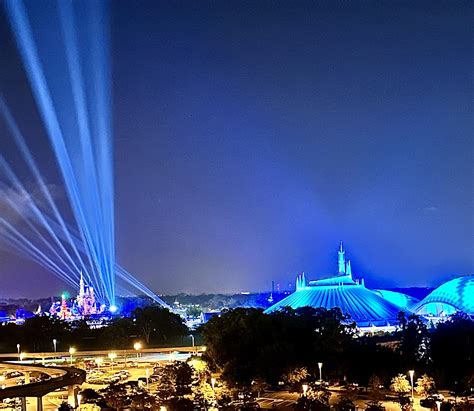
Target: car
[{"x": 430, "y": 401}]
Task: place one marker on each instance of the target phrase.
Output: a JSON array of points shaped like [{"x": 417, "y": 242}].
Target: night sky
[{"x": 251, "y": 137}]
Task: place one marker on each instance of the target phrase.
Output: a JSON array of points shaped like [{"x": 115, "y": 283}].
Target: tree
[
  {"x": 316, "y": 398},
  {"x": 295, "y": 378},
  {"x": 245, "y": 344},
  {"x": 155, "y": 322},
  {"x": 117, "y": 333},
  {"x": 425, "y": 385},
  {"x": 375, "y": 388},
  {"x": 414, "y": 340},
  {"x": 452, "y": 352},
  {"x": 259, "y": 385},
  {"x": 344, "y": 404},
  {"x": 375, "y": 406},
  {"x": 401, "y": 387}
]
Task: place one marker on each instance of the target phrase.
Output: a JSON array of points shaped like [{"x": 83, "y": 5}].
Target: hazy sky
[{"x": 251, "y": 137}]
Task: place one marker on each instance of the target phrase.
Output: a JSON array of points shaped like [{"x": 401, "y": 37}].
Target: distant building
[
  {"x": 369, "y": 309},
  {"x": 453, "y": 296}
]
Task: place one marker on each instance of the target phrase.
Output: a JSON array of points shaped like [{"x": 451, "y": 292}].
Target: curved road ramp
[{"x": 55, "y": 378}]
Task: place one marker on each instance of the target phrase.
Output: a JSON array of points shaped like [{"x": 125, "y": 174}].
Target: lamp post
[
  {"x": 305, "y": 389},
  {"x": 192, "y": 339},
  {"x": 18, "y": 349},
  {"x": 99, "y": 361},
  {"x": 411, "y": 373},
  {"x": 137, "y": 346},
  {"x": 55, "y": 345},
  {"x": 72, "y": 350},
  {"x": 320, "y": 366},
  {"x": 112, "y": 357}
]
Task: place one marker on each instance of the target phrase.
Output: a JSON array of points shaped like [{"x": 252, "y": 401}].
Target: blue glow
[
  {"x": 87, "y": 168},
  {"x": 454, "y": 295},
  {"x": 73, "y": 97},
  {"x": 365, "y": 307}
]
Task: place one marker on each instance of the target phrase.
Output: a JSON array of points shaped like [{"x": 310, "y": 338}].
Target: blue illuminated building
[
  {"x": 450, "y": 297},
  {"x": 367, "y": 308}
]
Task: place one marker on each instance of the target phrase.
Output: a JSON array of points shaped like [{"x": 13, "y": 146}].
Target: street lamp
[
  {"x": 72, "y": 350},
  {"x": 213, "y": 383},
  {"x": 137, "y": 346},
  {"x": 192, "y": 339},
  {"x": 99, "y": 361},
  {"x": 320, "y": 366},
  {"x": 305, "y": 389},
  {"x": 55, "y": 345},
  {"x": 18, "y": 349},
  {"x": 112, "y": 357},
  {"x": 411, "y": 373}
]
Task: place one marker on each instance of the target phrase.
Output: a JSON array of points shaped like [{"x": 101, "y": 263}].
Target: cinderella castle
[{"x": 84, "y": 305}]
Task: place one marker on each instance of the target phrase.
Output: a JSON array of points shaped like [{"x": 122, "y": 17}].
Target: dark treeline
[
  {"x": 152, "y": 325},
  {"x": 247, "y": 345}
]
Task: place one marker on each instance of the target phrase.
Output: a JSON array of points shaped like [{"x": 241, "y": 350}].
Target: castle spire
[{"x": 341, "y": 259}]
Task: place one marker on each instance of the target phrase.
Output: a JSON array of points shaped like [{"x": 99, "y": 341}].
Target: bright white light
[{"x": 113, "y": 308}]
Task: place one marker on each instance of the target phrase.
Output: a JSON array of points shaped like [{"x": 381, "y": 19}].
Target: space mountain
[{"x": 369, "y": 309}]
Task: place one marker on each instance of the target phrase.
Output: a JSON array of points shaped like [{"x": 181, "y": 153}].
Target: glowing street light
[
  {"x": 72, "y": 350},
  {"x": 112, "y": 357},
  {"x": 192, "y": 339},
  {"x": 98, "y": 361},
  {"x": 320, "y": 366},
  {"x": 137, "y": 346},
  {"x": 305, "y": 389},
  {"x": 55, "y": 345},
  {"x": 213, "y": 383},
  {"x": 18, "y": 349},
  {"x": 412, "y": 373}
]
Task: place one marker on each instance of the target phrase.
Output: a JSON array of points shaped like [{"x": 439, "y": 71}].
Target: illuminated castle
[{"x": 84, "y": 305}]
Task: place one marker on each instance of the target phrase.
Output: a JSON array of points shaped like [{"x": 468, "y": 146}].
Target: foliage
[
  {"x": 375, "y": 388},
  {"x": 400, "y": 385},
  {"x": 425, "y": 385},
  {"x": 452, "y": 351},
  {"x": 157, "y": 323},
  {"x": 375, "y": 406},
  {"x": 413, "y": 348},
  {"x": 244, "y": 343},
  {"x": 315, "y": 399},
  {"x": 295, "y": 378},
  {"x": 174, "y": 380},
  {"x": 344, "y": 404}
]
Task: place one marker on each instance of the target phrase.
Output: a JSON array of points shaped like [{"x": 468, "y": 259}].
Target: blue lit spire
[
  {"x": 348, "y": 268},
  {"x": 341, "y": 260}
]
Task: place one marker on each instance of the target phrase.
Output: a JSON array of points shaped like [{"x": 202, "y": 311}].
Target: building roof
[
  {"x": 365, "y": 307},
  {"x": 402, "y": 300},
  {"x": 454, "y": 295}
]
